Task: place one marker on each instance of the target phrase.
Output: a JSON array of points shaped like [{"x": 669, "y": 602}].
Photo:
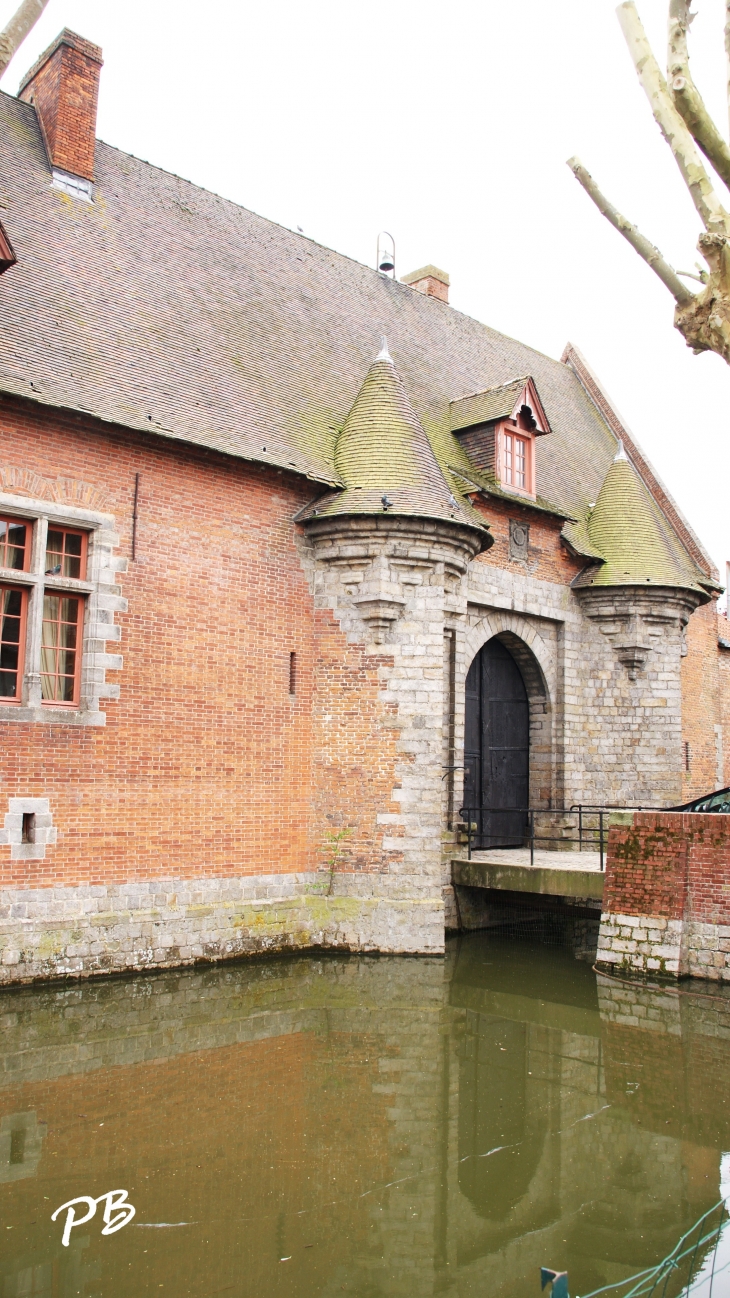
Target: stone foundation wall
[
  {"x": 666, "y": 901},
  {"x": 78, "y": 932}
]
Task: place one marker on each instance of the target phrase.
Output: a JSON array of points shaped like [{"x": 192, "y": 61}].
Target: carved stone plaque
[{"x": 519, "y": 539}]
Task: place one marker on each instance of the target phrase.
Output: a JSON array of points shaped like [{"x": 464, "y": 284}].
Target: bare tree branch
[
  {"x": 713, "y": 214},
  {"x": 686, "y": 96},
  {"x": 703, "y": 318},
  {"x": 22, "y": 21},
  {"x": 727, "y": 51},
  {"x": 645, "y": 249}
]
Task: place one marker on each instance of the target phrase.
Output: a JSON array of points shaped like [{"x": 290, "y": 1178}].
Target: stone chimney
[
  {"x": 429, "y": 280},
  {"x": 63, "y": 86}
]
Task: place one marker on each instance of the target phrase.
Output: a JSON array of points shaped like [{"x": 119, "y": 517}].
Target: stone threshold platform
[{"x": 508, "y": 869}]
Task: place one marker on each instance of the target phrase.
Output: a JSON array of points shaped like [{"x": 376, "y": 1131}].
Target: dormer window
[
  {"x": 515, "y": 451},
  {"x": 498, "y": 428},
  {"x": 516, "y": 459}
]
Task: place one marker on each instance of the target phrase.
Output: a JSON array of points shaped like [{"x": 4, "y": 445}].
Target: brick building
[{"x": 280, "y": 597}]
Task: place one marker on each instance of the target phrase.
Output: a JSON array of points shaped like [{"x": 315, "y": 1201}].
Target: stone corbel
[
  {"x": 638, "y": 621},
  {"x": 633, "y": 657},
  {"x": 379, "y": 615},
  {"x": 625, "y": 634},
  {"x": 630, "y": 649},
  {"x": 380, "y": 602}
]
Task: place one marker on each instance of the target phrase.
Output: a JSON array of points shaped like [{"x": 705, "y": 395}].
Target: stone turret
[
  {"x": 388, "y": 554},
  {"x": 397, "y": 514},
  {"x": 640, "y": 596}
]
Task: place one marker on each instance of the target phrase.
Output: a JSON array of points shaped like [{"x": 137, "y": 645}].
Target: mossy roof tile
[
  {"x": 631, "y": 534},
  {"x": 387, "y": 462}
]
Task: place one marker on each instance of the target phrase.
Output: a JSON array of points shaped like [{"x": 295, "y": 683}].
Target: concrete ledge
[{"x": 545, "y": 880}]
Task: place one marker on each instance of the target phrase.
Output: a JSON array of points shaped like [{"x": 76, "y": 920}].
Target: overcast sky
[{"x": 449, "y": 125}]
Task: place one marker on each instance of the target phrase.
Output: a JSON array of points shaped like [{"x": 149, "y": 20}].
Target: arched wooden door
[{"x": 497, "y": 747}]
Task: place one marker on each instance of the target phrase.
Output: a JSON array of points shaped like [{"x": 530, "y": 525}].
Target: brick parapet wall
[
  {"x": 666, "y": 901},
  {"x": 646, "y": 866}
]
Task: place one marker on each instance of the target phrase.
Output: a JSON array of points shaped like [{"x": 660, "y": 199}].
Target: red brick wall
[
  {"x": 723, "y": 676},
  {"x": 65, "y": 91},
  {"x": 354, "y": 752},
  {"x": 206, "y": 766},
  {"x": 701, "y": 703},
  {"x": 670, "y": 865},
  {"x": 549, "y": 560}
]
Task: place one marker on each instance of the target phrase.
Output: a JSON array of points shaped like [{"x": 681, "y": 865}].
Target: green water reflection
[{"x": 366, "y": 1126}]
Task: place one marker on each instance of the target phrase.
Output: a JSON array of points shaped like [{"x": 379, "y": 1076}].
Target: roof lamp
[{"x": 385, "y": 254}]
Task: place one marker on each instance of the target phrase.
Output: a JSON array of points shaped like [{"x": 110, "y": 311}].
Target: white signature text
[{"x": 118, "y": 1211}]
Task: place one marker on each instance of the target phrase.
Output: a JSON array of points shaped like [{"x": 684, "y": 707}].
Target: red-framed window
[
  {"x": 63, "y": 620},
  {"x": 15, "y": 543},
  {"x": 516, "y": 458},
  {"x": 13, "y": 606},
  {"x": 66, "y": 553}
]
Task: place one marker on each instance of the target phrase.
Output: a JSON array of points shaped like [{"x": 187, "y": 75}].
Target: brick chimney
[
  {"x": 63, "y": 86},
  {"x": 429, "y": 280}
]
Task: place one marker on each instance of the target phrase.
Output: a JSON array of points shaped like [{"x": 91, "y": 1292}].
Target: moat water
[{"x": 359, "y": 1126}]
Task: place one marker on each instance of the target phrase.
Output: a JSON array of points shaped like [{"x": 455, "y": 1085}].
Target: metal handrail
[
  {"x": 598, "y": 832},
  {"x": 591, "y": 808}
]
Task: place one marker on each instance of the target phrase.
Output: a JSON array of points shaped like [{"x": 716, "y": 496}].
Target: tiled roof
[
  {"x": 484, "y": 407},
  {"x": 489, "y": 486},
  {"x": 494, "y": 403},
  {"x": 386, "y": 461},
  {"x": 164, "y": 308},
  {"x": 628, "y": 530}
]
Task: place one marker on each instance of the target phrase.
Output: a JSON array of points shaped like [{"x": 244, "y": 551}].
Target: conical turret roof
[
  {"x": 628, "y": 530},
  {"x": 386, "y": 461}
]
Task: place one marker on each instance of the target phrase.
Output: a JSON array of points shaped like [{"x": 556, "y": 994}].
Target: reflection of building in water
[
  {"x": 21, "y": 1140},
  {"x": 394, "y": 1127},
  {"x": 602, "y": 1153}
]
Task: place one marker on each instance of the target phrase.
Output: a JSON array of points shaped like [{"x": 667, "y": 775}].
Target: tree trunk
[{"x": 704, "y": 322}]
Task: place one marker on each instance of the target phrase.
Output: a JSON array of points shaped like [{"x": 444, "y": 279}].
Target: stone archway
[
  {"x": 496, "y": 747},
  {"x": 536, "y": 661}
]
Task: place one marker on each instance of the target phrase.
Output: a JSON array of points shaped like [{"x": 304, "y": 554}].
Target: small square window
[
  {"x": 60, "y": 648},
  {"x": 14, "y": 544},
  {"x": 65, "y": 553}
]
